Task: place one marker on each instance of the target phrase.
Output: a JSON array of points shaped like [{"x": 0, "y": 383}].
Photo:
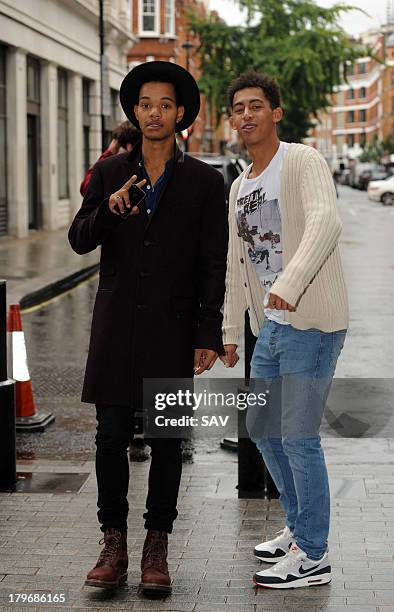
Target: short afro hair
[{"x": 251, "y": 78}]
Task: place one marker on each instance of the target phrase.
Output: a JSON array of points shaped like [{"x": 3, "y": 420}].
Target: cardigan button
[
  {"x": 245, "y": 284},
  {"x": 241, "y": 260}
]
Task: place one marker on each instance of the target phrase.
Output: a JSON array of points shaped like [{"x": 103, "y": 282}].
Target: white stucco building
[{"x": 50, "y": 103}]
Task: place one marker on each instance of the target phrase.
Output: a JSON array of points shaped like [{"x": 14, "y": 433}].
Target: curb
[{"x": 58, "y": 287}]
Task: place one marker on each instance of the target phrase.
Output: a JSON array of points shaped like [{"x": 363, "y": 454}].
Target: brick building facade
[
  {"x": 161, "y": 27},
  {"x": 362, "y": 107}
]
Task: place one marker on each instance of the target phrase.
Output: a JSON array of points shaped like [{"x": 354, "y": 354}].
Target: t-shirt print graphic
[{"x": 259, "y": 224}]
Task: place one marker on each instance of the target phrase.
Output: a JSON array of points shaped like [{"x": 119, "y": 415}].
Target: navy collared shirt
[{"x": 153, "y": 192}]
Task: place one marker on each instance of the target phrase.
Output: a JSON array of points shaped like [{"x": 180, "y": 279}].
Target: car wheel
[{"x": 388, "y": 199}]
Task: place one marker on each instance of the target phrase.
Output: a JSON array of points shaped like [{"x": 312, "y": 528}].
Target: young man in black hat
[{"x": 157, "y": 310}]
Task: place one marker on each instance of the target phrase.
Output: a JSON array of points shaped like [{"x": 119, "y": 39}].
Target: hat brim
[{"x": 166, "y": 72}]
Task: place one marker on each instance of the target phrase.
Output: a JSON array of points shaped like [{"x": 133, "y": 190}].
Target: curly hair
[{"x": 251, "y": 78}]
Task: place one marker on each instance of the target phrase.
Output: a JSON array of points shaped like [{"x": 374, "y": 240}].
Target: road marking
[{"x": 59, "y": 296}]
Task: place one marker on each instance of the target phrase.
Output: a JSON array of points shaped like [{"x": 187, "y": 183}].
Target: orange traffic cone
[{"x": 27, "y": 417}]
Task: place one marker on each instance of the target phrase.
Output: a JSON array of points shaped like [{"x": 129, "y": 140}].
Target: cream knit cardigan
[{"x": 312, "y": 276}]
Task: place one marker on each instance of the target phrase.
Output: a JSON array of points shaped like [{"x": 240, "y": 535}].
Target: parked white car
[{"x": 382, "y": 191}]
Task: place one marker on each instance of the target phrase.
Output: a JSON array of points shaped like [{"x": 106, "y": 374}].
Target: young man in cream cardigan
[{"x": 284, "y": 267}]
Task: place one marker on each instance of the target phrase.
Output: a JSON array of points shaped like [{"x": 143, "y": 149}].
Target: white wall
[{"x": 60, "y": 33}]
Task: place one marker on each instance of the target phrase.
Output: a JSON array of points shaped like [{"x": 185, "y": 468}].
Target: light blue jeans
[{"x": 296, "y": 368}]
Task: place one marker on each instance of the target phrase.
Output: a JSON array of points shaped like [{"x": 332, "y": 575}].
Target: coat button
[
  {"x": 142, "y": 307},
  {"x": 148, "y": 243},
  {"x": 246, "y": 284},
  {"x": 241, "y": 260}
]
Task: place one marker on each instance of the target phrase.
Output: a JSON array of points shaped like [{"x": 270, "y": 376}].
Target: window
[
  {"x": 363, "y": 115},
  {"x": 392, "y": 104},
  {"x": 350, "y": 140},
  {"x": 86, "y": 122},
  {"x": 350, "y": 94},
  {"x": 392, "y": 78},
  {"x": 149, "y": 17},
  {"x": 169, "y": 17},
  {"x": 113, "y": 120},
  {"x": 350, "y": 117},
  {"x": 33, "y": 79},
  {"x": 362, "y": 68},
  {"x": 363, "y": 92},
  {"x": 62, "y": 135},
  {"x": 363, "y": 140}
]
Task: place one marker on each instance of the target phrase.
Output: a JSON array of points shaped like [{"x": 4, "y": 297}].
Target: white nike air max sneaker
[
  {"x": 295, "y": 570},
  {"x": 274, "y": 550}
]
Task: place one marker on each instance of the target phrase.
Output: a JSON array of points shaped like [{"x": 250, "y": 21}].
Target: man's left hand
[
  {"x": 203, "y": 360},
  {"x": 277, "y": 303}
]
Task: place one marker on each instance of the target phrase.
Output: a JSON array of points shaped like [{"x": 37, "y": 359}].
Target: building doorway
[
  {"x": 3, "y": 144},
  {"x": 33, "y": 141},
  {"x": 32, "y": 170}
]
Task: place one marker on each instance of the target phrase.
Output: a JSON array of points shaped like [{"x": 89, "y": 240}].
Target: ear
[
  {"x": 180, "y": 113},
  {"x": 277, "y": 114},
  {"x": 136, "y": 111}
]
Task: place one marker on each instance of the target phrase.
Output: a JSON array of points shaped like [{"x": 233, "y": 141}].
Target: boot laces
[
  {"x": 156, "y": 553},
  {"x": 112, "y": 543}
]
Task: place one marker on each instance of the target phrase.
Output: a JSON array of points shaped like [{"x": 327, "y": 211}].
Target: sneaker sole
[
  {"x": 270, "y": 559},
  {"x": 152, "y": 586},
  {"x": 104, "y": 584},
  {"x": 301, "y": 582}
]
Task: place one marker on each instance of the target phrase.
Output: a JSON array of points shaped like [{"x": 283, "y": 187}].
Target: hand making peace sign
[{"x": 121, "y": 197}]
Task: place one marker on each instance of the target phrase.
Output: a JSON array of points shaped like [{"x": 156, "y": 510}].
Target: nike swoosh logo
[{"x": 302, "y": 571}]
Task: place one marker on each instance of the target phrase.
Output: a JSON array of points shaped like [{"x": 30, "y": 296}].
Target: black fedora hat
[{"x": 165, "y": 72}]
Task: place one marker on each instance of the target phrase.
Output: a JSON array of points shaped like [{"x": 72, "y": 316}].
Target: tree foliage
[
  {"x": 296, "y": 41},
  {"x": 376, "y": 149}
]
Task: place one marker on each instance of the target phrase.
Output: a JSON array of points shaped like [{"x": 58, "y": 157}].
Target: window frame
[
  {"x": 86, "y": 122},
  {"x": 352, "y": 138},
  {"x": 351, "y": 116},
  {"x": 149, "y": 33},
  {"x": 169, "y": 15},
  {"x": 62, "y": 115}
]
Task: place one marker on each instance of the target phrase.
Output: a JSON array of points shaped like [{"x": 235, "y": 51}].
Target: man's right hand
[
  {"x": 121, "y": 197},
  {"x": 231, "y": 356}
]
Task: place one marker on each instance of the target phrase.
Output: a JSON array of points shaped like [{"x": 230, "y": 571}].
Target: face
[
  {"x": 157, "y": 112},
  {"x": 253, "y": 117}
]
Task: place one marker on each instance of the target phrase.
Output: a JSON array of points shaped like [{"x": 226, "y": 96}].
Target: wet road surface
[{"x": 57, "y": 335}]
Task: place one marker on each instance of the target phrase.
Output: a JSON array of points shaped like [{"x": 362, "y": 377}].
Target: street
[
  {"x": 368, "y": 255},
  {"x": 57, "y": 334}
]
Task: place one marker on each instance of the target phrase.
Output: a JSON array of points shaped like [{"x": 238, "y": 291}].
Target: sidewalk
[
  {"x": 32, "y": 263},
  {"x": 49, "y": 541}
]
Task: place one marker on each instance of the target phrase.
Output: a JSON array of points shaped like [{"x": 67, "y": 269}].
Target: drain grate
[{"x": 45, "y": 482}]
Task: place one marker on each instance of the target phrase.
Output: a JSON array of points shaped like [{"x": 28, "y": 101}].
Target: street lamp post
[
  {"x": 101, "y": 28},
  {"x": 188, "y": 46}
]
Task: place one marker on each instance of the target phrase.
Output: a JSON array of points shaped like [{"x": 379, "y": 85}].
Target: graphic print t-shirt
[{"x": 259, "y": 224}]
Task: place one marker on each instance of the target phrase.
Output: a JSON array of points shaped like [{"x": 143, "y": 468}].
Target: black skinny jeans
[{"x": 114, "y": 432}]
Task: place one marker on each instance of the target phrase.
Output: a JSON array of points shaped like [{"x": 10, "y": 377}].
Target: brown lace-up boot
[
  {"x": 110, "y": 570},
  {"x": 155, "y": 576}
]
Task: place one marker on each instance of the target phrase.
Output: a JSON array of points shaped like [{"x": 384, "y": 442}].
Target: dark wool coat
[{"x": 162, "y": 279}]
